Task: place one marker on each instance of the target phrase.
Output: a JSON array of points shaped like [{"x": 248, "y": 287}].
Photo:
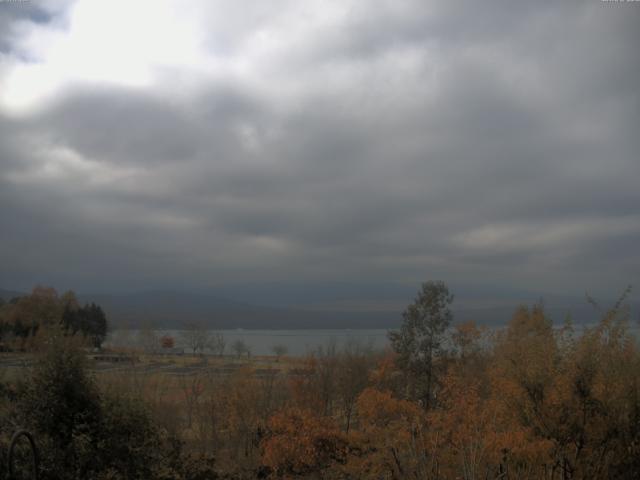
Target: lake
[
  {"x": 261, "y": 342},
  {"x": 297, "y": 342}
]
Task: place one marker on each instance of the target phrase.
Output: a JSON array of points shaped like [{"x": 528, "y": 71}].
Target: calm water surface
[
  {"x": 261, "y": 342},
  {"x": 297, "y": 342}
]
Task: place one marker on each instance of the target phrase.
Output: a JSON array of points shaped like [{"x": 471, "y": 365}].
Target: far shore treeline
[
  {"x": 23, "y": 317},
  {"x": 446, "y": 400}
]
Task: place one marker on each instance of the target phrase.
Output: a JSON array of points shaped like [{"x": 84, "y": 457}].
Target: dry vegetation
[{"x": 525, "y": 402}]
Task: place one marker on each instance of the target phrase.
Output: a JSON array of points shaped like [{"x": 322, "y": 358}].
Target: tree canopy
[
  {"x": 23, "y": 317},
  {"x": 420, "y": 338}
]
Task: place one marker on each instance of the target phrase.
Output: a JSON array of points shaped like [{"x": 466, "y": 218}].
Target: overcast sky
[{"x": 158, "y": 144}]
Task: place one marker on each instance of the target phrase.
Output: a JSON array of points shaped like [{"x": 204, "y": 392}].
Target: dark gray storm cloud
[{"x": 491, "y": 144}]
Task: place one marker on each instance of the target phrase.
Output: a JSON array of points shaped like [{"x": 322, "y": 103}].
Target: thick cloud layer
[{"x": 160, "y": 145}]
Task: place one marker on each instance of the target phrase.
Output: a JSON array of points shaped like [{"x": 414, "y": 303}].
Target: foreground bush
[{"x": 85, "y": 434}]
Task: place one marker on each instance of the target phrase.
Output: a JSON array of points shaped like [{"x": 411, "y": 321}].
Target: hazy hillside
[
  {"x": 172, "y": 309},
  {"x": 7, "y": 295}
]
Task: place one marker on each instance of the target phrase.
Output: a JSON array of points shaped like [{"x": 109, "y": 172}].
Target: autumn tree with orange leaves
[{"x": 300, "y": 442}]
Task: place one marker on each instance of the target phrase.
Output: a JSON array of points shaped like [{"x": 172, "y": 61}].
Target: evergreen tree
[{"x": 419, "y": 340}]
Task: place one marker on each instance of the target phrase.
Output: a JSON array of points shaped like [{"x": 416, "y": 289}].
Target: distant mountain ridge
[
  {"x": 7, "y": 295},
  {"x": 172, "y": 309}
]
